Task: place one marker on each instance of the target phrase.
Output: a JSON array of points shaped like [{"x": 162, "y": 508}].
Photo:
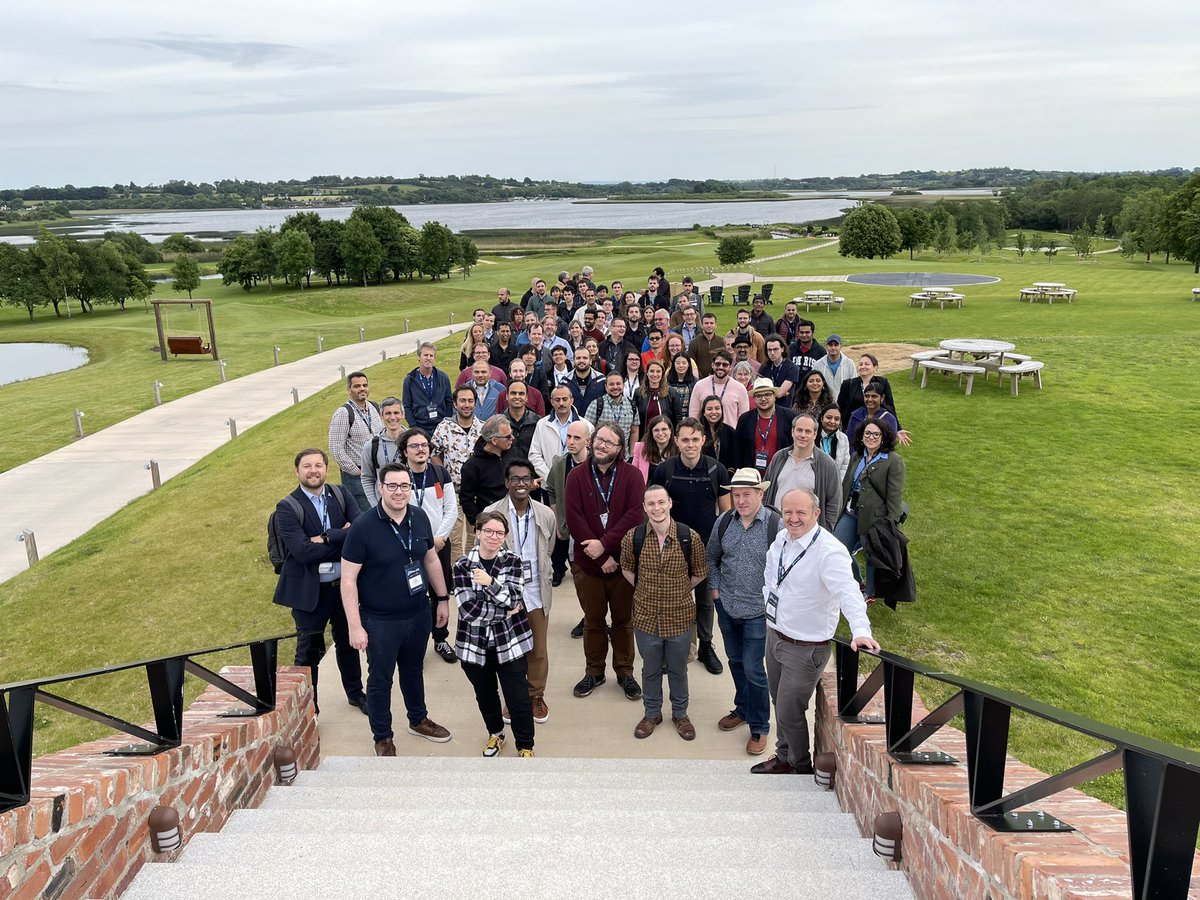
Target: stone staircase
[{"x": 546, "y": 827}]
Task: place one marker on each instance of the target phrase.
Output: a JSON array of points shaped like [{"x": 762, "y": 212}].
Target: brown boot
[
  {"x": 686, "y": 729},
  {"x": 646, "y": 727},
  {"x": 385, "y": 747}
]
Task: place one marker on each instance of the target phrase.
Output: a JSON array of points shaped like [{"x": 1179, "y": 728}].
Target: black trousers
[
  {"x": 310, "y": 645},
  {"x": 440, "y": 634},
  {"x": 558, "y": 558},
  {"x": 511, "y": 676}
]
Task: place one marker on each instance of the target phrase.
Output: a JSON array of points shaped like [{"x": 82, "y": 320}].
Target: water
[
  {"x": 216, "y": 223},
  {"x": 19, "y": 362}
]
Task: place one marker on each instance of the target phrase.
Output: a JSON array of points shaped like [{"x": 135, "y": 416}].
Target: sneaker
[
  {"x": 525, "y": 754},
  {"x": 541, "y": 712},
  {"x": 708, "y": 656},
  {"x": 587, "y": 684},
  {"x": 757, "y": 744},
  {"x": 633, "y": 690},
  {"x": 445, "y": 651},
  {"x": 431, "y": 731},
  {"x": 385, "y": 747},
  {"x": 505, "y": 716},
  {"x": 494, "y": 745},
  {"x": 577, "y": 631},
  {"x": 731, "y": 722}
]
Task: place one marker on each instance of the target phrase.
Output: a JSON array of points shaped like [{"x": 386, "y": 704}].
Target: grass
[{"x": 1052, "y": 533}]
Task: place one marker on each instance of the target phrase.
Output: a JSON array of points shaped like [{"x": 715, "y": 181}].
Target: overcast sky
[{"x": 145, "y": 90}]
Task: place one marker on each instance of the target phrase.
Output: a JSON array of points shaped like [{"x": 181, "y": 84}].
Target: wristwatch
[{"x": 445, "y": 598}]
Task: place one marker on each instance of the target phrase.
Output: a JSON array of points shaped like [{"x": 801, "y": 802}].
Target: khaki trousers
[{"x": 539, "y": 659}]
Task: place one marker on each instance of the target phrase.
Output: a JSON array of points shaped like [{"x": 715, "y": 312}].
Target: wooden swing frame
[{"x": 187, "y": 344}]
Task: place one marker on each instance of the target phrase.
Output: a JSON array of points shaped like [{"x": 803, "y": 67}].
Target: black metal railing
[
  {"x": 1162, "y": 781},
  {"x": 164, "y": 677}
]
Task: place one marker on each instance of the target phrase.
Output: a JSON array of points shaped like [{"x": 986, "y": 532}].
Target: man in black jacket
[
  {"x": 764, "y": 431},
  {"x": 483, "y": 474},
  {"x": 312, "y": 522}
]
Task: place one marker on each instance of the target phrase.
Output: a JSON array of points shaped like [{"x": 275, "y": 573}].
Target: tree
[
  {"x": 361, "y": 250},
  {"x": 388, "y": 226},
  {"x": 327, "y": 250},
  {"x": 1036, "y": 243},
  {"x": 1051, "y": 248},
  {"x": 264, "y": 255},
  {"x": 983, "y": 239},
  {"x": 186, "y": 274},
  {"x": 1140, "y": 223},
  {"x": 58, "y": 266},
  {"x": 916, "y": 230},
  {"x": 1179, "y": 221},
  {"x": 945, "y": 231},
  {"x": 436, "y": 252},
  {"x": 1082, "y": 242},
  {"x": 869, "y": 231},
  {"x": 20, "y": 285},
  {"x": 732, "y": 251},
  {"x": 237, "y": 264},
  {"x": 466, "y": 254},
  {"x": 1021, "y": 245},
  {"x": 294, "y": 256},
  {"x": 181, "y": 243}
]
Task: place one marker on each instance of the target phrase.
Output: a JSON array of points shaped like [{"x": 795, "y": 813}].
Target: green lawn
[{"x": 1051, "y": 532}]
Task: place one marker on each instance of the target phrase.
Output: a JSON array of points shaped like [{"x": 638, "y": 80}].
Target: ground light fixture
[
  {"x": 285, "y": 765},
  {"x": 825, "y": 770},
  {"x": 889, "y": 831},
  {"x": 164, "y": 829}
]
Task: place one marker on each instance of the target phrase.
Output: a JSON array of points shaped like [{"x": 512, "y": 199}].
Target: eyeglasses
[
  {"x": 413, "y": 446},
  {"x": 872, "y": 434},
  {"x": 504, "y": 437},
  {"x": 521, "y": 479},
  {"x": 604, "y": 442},
  {"x": 392, "y": 486},
  {"x": 720, "y": 364},
  {"x": 655, "y": 337},
  {"x": 494, "y": 532}
]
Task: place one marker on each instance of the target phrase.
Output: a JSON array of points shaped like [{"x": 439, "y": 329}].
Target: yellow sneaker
[
  {"x": 527, "y": 754},
  {"x": 494, "y": 745}
]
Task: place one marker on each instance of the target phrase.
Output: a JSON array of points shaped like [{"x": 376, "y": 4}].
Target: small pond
[{"x": 19, "y": 362}]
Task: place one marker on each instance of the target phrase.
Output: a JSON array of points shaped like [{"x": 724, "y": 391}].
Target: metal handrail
[
  {"x": 1162, "y": 781},
  {"x": 164, "y": 676}
]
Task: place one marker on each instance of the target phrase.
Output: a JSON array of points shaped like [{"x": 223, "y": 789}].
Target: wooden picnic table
[
  {"x": 1049, "y": 285},
  {"x": 1195, "y": 294},
  {"x": 979, "y": 348}
]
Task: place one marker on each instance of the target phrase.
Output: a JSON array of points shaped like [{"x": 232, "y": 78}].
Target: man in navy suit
[{"x": 312, "y": 522}]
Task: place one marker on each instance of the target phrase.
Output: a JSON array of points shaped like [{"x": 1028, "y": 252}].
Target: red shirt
[{"x": 766, "y": 440}]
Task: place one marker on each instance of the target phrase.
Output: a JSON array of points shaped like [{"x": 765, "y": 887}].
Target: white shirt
[
  {"x": 795, "y": 474},
  {"x": 525, "y": 540},
  {"x": 814, "y": 592}
]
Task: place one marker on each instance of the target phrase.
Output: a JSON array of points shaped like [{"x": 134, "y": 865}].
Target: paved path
[{"x": 63, "y": 494}]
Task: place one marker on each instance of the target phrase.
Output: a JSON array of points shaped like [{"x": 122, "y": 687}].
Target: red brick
[{"x": 32, "y": 884}]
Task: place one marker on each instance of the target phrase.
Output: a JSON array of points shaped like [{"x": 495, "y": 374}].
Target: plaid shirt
[
  {"x": 348, "y": 434},
  {"x": 486, "y": 617},
  {"x": 453, "y": 444},
  {"x": 664, "y": 603},
  {"x": 622, "y": 412}
]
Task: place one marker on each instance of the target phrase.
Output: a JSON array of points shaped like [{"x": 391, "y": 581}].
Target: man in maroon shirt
[
  {"x": 763, "y": 431},
  {"x": 603, "y": 501}
]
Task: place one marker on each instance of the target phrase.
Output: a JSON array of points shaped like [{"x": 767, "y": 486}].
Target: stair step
[
  {"x": 540, "y": 763},
  {"x": 603, "y": 876}
]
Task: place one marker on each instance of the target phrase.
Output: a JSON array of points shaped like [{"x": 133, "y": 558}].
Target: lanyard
[
  {"x": 521, "y": 539},
  {"x": 605, "y": 497},
  {"x": 406, "y": 545},
  {"x": 420, "y": 491},
  {"x": 721, "y": 396},
  {"x": 782, "y": 573},
  {"x": 763, "y": 434},
  {"x": 426, "y": 383},
  {"x": 322, "y": 510},
  {"x": 367, "y": 417},
  {"x": 389, "y": 457}
]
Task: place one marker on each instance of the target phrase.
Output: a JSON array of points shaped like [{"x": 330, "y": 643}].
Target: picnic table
[
  {"x": 941, "y": 297},
  {"x": 979, "y": 348},
  {"x": 937, "y": 289},
  {"x": 1195, "y": 294},
  {"x": 818, "y": 298},
  {"x": 1048, "y": 291}
]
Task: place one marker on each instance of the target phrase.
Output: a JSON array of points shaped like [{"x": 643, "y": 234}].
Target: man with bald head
[{"x": 808, "y": 585}]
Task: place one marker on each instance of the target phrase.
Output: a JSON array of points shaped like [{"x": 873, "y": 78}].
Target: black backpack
[
  {"x": 713, "y": 472},
  {"x": 277, "y": 551},
  {"x": 726, "y": 519},
  {"x": 639, "y": 540}
]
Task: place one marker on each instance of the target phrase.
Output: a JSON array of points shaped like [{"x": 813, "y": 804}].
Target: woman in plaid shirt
[{"x": 494, "y": 634}]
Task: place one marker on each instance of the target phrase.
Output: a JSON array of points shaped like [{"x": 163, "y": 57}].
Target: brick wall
[
  {"x": 947, "y": 853},
  {"x": 84, "y": 832}
]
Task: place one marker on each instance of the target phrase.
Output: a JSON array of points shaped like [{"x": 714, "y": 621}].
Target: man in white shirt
[
  {"x": 808, "y": 583},
  {"x": 550, "y": 433}
]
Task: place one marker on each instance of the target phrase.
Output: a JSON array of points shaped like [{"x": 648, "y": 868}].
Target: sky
[{"x": 146, "y": 91}]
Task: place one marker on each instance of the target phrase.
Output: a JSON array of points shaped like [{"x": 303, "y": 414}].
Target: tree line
[
  {"x": 56, "y": 270},
  {"x": 375, "y": 243}
]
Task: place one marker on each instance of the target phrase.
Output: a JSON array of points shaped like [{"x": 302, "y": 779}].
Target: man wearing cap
[
  {"x": 737, "y": 547},
  {"x": 807, "y": 467},
  {"x": 833, "y": 366},
  {"x": 807, "y": 584},
  {"x": 760, "y": 321},
  {"x": 804, "y": 351},
  {"x": 764, "y": 431},
  {"x": 741, "y": 348},
  {"x": 758, "y": 344},
  {"x": 734, "y": 399}
]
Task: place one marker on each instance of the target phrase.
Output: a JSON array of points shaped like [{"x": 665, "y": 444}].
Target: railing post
[
  {"x": 165, "y": 677},
  {"x": 897, "y": 703},
  {"x": 847, "y": 674},
  {"x": 16, "y": 747},
  {"x": 264, "y": 657},
  {"x": 1163, "y": 815},
  {"x": 987, "y": 747}
]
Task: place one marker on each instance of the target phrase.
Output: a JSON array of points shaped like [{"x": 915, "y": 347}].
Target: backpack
[
  {"x": 351, "y": 409},
  {"x": 639, "y": 540},
  {"x": 713, "y": 469},
  {"x": 726, "y": 519},
  {"x": 277, "y": 551}
]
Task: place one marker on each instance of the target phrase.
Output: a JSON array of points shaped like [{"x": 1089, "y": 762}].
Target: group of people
[{"x": 680, "y": 496}]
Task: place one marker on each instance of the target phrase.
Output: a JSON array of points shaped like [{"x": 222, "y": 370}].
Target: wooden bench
[
  {"x": 926, "y": 354},
  {"x": 946, "y": 367},
  {"x": 186, "y": 344},
  {"x": 1017, "y": 371},
  {"x": 1067, "y": 294},
  {"x": 1195, "y": 294},
  {"x": 1030, "y": 293},
  {"x": 992, "y": 363}
]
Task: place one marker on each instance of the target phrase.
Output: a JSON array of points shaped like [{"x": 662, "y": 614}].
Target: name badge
[
  {"x": 772, "y": 606},
  {"x": 760, "y": 459},
  {"x": 325, "y": 568},
  {"x": 527, "y": 571},
  {"x": 416, "y": 581},
  {"x": 603, "y": 520},
  {"x": 433, "y": 412}
]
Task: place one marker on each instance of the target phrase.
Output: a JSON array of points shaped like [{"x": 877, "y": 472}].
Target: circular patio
[{"x": 920, "y": 279}]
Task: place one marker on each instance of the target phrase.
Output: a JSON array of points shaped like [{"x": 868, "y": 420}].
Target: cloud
[{"x": 239, "y": 54}]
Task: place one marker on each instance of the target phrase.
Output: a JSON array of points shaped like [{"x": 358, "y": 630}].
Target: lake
[
  {"x": 19, "y": 362},
  {"x": 217, "y": 223}
]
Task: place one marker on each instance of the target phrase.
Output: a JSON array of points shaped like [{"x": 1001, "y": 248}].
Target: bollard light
[
  {"x": 158, "y": 386},
  {"x": 221, "y": 363},
  {"x": 164, "y": 829},
  {"x": 383, "y": 356},
  {"x": 320, "y": 343},
  {"x": 285, "y": 765},
  {"x": 889, "y": 832},
  {"x": 451, "y": 317},
  {"x": 275, "y": 352},
  {"x": 825, "y": 770},
  {"x": 362, "y": 334},
  {"x": 232, "y": 423},
  {"x": 155, "y": 478},
  {"x": 406, "y": 326},
  {"x": 342, "y": 369},
  {"x": 31, "y": 551},
  {"x": 295, "y": 397}
]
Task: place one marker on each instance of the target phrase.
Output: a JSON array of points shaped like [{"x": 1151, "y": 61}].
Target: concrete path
[{"x": 44, "y": 495}]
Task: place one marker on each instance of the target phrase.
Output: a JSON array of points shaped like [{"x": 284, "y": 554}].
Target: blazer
[
  {"x": 850, "y": 397},
  {"x": 881, "y": 490},
  {"x": 299, "y": 585},
  {"x": 668, "y": 406},
  {"x": 543, "y": 519}
]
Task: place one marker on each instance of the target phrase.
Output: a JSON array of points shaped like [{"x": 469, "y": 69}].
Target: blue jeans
[
  {"x": 745, "y": 645},
  {"x": 846, "y": 531},
  {"x": 395, "y": 644}
]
